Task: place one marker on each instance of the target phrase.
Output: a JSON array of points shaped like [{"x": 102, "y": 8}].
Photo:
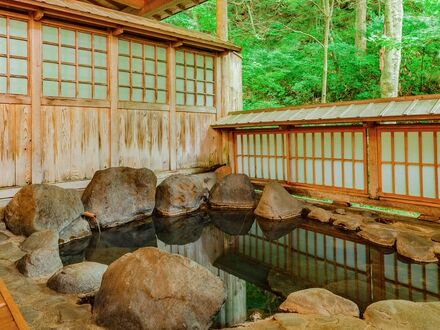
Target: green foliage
[
  {"x": 260, "y": 300},
  {"x": 282, "y": 55}
]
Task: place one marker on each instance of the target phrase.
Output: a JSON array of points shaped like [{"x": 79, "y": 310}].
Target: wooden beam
[
  {"x": 38, "y": 15},
  {"x": 136, "y": 4},
  {"x": 114, "y": 115},
  {"x": 155, "y": 7},
  {"x": 118, "y": 31},
  {"x": 172, "y": 102},
  {"x": 35, "y": 46},
  {"x": 222, "y": 19}
]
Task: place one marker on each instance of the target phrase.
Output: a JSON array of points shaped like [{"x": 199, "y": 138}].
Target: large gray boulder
[
  {"x": 234, "y": 191},
  {"x": 42, "y": 256},
  {"x": 83, "y": 277},
  {"x": 277, "y": 204},
  {"x": 180, "y": 194},
  {"x": 403, "y": 315},
  {"x": 40, "y": 206},
  {"x": 152, "y": 289},
  {"x": 319, "y": 301},
  {"x": 120, "y": 194}
]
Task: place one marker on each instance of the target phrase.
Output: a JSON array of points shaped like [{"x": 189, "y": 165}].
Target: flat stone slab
[
  {"x": 291, "y": 321},
  {"x": 403, "y": 315},
  {"x": 350, "y": 222},
  {"x": 317, "y": 213},
  {"x": 436, "y": 237},
  {"x": 379, "y": 234},
  {"x": 319, "y": 301},
  {"x": 417, "y": 248}
]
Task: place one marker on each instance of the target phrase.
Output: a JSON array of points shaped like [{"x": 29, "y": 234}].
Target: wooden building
[
  {"x": 84, "y": 87},
  {"x": 383, "y": 152}
]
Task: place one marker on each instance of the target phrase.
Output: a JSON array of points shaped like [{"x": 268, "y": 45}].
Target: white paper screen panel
[
  {"x": 409, "y": 163},
  {"x": 262, "y": 155},
  {"x": 74, "y": 63},
  {"x": 13, "y": 56},
  {"x": 328, "y": 158},
  {"x": 142, "y": 72}
]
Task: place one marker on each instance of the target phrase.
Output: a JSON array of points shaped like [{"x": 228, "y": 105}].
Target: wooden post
[
  {"x": 222, "y": 19},
  {"x": 231, "y": 99},
  {"x": 372, "y": 161},
  {"x": 113, "y": 88},
  {"x": 172, "y": 102},
  {"x": 35, "y": 86}
]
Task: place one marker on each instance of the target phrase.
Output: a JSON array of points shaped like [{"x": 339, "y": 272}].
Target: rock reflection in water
[
  {"x": 180, "y": 230},
  {"x": 273, "y": 229},
  {"x": 212, "y": 243},
  {"x": 233, "y": 222},
  {"x": 110, "y": 244}
]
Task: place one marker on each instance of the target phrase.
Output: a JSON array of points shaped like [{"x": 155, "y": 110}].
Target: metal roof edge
[{"x": 332, "y": 104}]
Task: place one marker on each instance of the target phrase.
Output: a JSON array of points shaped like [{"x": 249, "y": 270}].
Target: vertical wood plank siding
[{"x": 74, "y": 100}]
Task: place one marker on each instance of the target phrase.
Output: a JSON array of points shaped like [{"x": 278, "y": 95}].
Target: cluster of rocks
[
  {"x": 149, "y": 288},
  {"x": 317, "y": 308},
  {"x": 160, "y": 284},
  {"x": 415, "y": 241}
]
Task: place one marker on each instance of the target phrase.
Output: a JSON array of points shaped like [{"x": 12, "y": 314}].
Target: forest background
[{"x": 282, "y": 43}]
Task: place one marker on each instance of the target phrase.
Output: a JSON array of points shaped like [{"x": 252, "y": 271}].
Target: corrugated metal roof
[
  {"x": 425, "y": 107},
  {"x": 125, "y": 20}
]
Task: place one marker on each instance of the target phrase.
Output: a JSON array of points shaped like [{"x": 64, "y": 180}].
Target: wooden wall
[
  {"x": 15, "y": 149},
  {"x": 65, "y": 140}
]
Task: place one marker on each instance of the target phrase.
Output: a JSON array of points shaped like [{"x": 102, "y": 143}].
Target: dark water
[{"x": 262, "y": 261}]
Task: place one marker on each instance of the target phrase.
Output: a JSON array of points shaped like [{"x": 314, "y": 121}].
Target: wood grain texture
[
  {"x": 10, "y": 315},
  {"x": 74, "y": 142},
  {"x": 15, "y": 145},
  {"x": 197, "y": 142},
  {"x": 143, "y": 139}
]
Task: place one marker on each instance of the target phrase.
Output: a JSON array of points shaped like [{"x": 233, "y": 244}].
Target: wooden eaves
[
  {"x": 157, "y": 9},
  {"x": 76, "y": 11}
]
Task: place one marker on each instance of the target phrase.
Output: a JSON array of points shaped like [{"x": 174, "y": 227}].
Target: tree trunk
[
  {"x": 361, "y": 25},
  {"x": 327, "y": 8},
  {"x": 391, "y": 53}
]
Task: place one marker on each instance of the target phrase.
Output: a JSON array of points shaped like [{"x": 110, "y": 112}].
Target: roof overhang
[
  {"x": 157, "y": 9},
  {"x": 403, "y": 109},
  {"x": 76, "y": 11}
]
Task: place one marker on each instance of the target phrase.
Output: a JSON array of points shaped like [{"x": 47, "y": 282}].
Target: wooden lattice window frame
[
  {"x": 246, "y": 153},
  {"x": 153, "y": 72},
  {"x": 11, "y": 76},
  {"x": 333, "y": 158},
  {"x": 97, "y": 65},
  {"x": 407, "y": 162},
  {"x": 195, "y": 78}
]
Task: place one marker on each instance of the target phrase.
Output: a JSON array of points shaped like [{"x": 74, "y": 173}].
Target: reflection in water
[
  {"x": 180, "y": 230},
  {"x": 233, "y": 222},
  {"x": 279, "y": 257}
]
